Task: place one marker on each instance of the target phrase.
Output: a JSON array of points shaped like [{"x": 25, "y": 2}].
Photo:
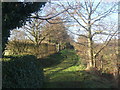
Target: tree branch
[
  {"x": 104, "y": 45},
  {"x": 96, "y": 6},
  {"x": 47, "y": 18},
  {"x": 80, "y": 43},
  {"x": 103, "y": 15},
  {"x": 78, "y": 34}
]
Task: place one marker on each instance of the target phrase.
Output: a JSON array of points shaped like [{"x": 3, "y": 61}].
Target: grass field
[{"x": 62, "y": 70}]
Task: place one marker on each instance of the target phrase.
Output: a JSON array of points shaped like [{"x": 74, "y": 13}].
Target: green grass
[
  {"x": 65, "y": 72},
  {"x": 61, "y": 70}
]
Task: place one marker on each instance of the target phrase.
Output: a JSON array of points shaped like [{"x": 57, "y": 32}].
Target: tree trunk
[
  {"x": 101, "y": 65},
  {"x": 90, "y": 46},
  {"x": 58, "y": 47},
  {"x": 118, "y": 77},
  {"x": 90, "y": 53},
  {"x": 101, "y": 62},
  {"x": 95, "y": 63},
  {"x": 90, "y": 42}
]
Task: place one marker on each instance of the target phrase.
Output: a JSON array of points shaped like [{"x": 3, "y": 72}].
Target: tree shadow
[
  {"x": 64, "y": 84},
  {"x": 51, "y": 60},
  {"x": 79, "y": 79},
  {"x": 54, "y": 72}
]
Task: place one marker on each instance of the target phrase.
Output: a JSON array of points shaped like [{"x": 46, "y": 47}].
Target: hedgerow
[{"x": 22, "y": 72}]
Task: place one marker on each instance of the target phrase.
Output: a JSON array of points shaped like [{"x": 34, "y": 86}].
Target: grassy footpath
[{"x": 63, "y": 71}]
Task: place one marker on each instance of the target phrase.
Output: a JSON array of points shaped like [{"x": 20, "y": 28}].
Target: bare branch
[
  {"x": 40, "y": 40},
  {"x": 96, "y": 6},
  {"x": 80, "y": 43},
  {"x": 57, "y": 22},
  {"x": 103, "y": 15},
  {"x": 105, "y": 45},
  {"x": 47, "y": 18},
  {"x": 74, "y": 17},
  {"x": 103, "y": 33},
  {"x": 86, "y": 6},
  {"x": 78, "y": 34},
  {"x": 80, "y": 15},
  {"x": 30, "y": 38}
]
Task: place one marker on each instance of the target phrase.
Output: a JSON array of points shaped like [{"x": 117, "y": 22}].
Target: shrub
[
  {"x": 22, "y": 72},
  {"x": 24, "y": 48}
]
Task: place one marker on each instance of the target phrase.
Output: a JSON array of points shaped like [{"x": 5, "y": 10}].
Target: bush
[
  {"x": 24, "y": 48},
  {"x": 22, "y": 72}
]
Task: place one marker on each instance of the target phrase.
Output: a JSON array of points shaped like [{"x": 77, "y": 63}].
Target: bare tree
[
  {"x": 87, "y": 14},
  {"x": 57, "y": 33},
  {"x": 17, "y": 35},
  {"x": 34, "y": 31}
]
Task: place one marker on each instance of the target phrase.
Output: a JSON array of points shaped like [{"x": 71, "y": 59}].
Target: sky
[{"x": 113, "y": 18}]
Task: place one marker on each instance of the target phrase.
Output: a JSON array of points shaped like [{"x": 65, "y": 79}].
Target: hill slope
[{"x": 63, "y": 71}]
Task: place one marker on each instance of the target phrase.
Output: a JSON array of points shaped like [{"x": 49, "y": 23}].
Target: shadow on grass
[
  {"x": 64, "y": 79},
  {"x": 64, "y": 84},
  {"x": 52, "y": 60},
  {"x": 79, "y": 79},
  {"x": 59, "y": 70}
]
